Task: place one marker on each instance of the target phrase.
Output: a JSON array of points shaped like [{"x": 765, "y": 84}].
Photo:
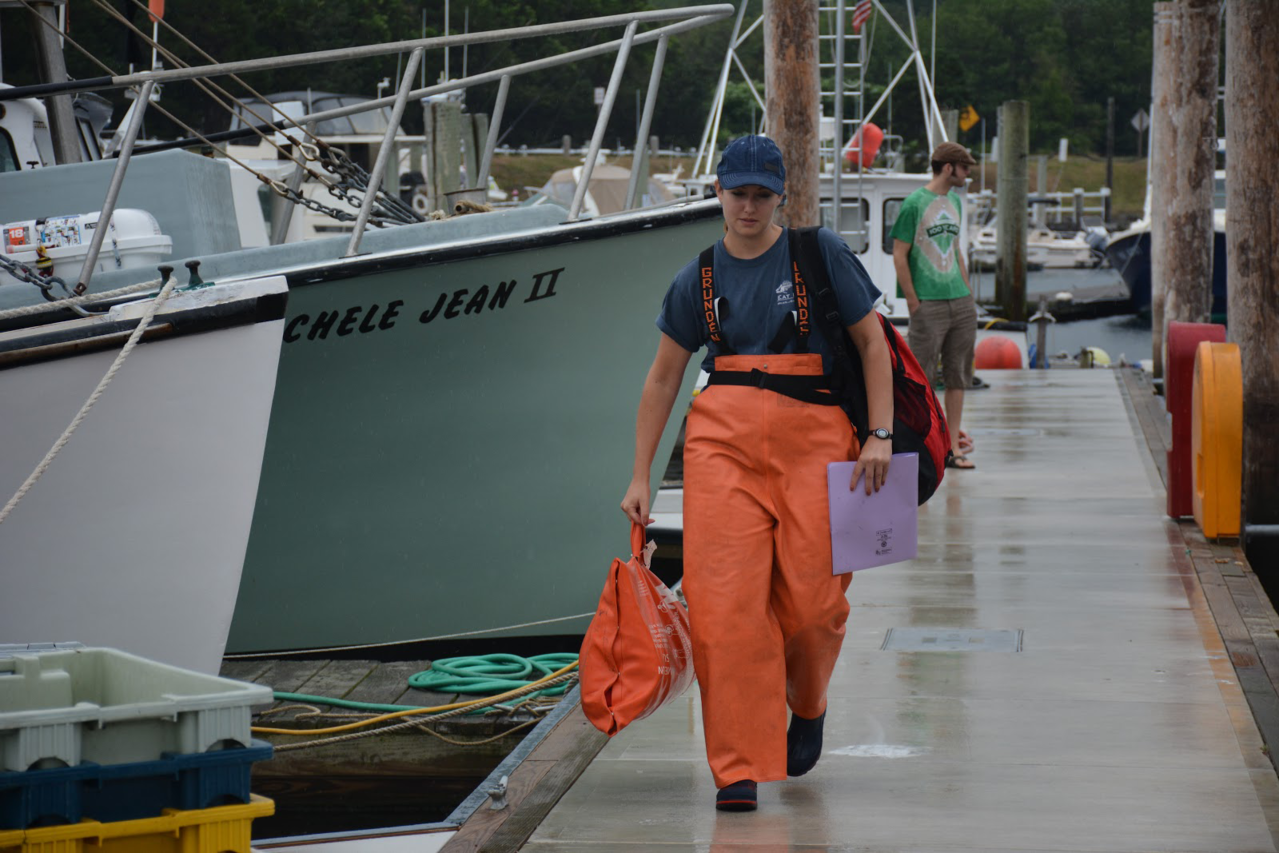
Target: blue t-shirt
[{"x": 760, "y": 293}]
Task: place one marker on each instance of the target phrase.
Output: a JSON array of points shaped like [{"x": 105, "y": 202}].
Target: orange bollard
[
  {"x": 1183, "y": 338},
  {"x": 1216, "y": 439}
]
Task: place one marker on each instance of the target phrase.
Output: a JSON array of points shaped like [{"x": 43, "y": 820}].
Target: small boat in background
[
  {"x": 1046, "y": 248},
  {"x": 1129, "y": 252}
]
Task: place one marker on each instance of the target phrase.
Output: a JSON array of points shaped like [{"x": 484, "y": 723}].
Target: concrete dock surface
[{"x": 1093, "y": 706}]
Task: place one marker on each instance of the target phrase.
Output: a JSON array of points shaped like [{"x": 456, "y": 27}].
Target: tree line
[{"x": 1065, "y": 57}]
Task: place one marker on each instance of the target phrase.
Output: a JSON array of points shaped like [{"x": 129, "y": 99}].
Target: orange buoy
[
  {"x": 997, "y": 353},
  {"x": 873, "y": 136}
]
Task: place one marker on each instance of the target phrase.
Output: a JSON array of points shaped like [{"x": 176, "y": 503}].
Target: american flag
[{"x": 861, "y": 13}]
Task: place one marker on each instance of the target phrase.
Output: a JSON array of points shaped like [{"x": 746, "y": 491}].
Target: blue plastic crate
[{"x": 129, "y": 791}]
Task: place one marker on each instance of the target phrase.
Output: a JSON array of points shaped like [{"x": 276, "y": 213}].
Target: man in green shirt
[{"x": 933, "y": 277}]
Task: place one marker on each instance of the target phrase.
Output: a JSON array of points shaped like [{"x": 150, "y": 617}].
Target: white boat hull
[{"x": 135, "y": 536}]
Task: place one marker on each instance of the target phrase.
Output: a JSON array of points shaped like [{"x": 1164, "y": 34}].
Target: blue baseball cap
[{"x": 752, "y": 160}]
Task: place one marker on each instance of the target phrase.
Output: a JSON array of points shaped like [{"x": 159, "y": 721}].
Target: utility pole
[
  {"x": 790, "y": 69},
  {"x": 1192, "y": 90},
  {"x": 53, "y": 69},
  {"x": 1110, "y": 156},
  {"x": 1252, "y": 233},
  {"x": 1162, "y": 152},
  {"x": 1011, "y": 199}
]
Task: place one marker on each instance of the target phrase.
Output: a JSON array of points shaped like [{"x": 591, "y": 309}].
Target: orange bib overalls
[{"x": 767, "y": 615}]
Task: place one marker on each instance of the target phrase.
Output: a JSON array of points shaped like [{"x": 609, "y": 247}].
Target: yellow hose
[{"x": 412, "y": 711}]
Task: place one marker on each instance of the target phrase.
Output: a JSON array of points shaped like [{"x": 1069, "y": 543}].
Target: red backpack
[{"x": 919, "y": 425}]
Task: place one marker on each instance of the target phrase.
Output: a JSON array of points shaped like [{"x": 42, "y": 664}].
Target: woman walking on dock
[{"x": 767, "y": 614}]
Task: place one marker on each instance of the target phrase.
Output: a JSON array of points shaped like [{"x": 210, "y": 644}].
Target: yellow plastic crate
[{"x": 224, "y": 829}]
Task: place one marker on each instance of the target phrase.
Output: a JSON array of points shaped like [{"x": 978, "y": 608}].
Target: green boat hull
[{"x": 451, "y": 435}]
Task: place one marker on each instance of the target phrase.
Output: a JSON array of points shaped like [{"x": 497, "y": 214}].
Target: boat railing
[
  {"x": 1051, "y": 208},
  {"x": 685, "y": 19}
]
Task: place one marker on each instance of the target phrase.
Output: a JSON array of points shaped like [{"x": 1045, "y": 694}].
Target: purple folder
[{"x": 875, "y": 529}]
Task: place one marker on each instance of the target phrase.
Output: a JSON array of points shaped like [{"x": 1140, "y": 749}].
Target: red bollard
[{"x": 1179, "y": 378}]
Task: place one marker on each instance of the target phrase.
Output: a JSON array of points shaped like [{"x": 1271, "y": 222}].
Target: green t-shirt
[{"x": 930, "y": 223}]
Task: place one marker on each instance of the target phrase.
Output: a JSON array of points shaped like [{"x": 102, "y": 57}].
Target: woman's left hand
[{"x": 873, "y": 462}]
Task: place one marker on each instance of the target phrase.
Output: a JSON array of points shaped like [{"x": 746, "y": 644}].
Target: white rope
[
  {"x": 41, "y": 307},
  {"x": 93, "y": 398},
  {"x": 285, "y": 654}
]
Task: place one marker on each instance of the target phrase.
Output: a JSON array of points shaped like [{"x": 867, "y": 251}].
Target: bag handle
[{"x": 638, "y": 541}]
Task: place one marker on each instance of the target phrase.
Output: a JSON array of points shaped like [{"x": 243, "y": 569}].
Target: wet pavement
[{"x": 1118, "y": 726}]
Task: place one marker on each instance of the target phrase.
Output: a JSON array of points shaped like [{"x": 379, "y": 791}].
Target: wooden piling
[
  {"x": 1011, "y": 199},
  {"x": 793, "y": 105},
  {"x": 1192, "y": 128},
  {"x": 443, "y": 150},
  {"x": 1163, "y": 154},
  {"x": 1252, "y": 236}
]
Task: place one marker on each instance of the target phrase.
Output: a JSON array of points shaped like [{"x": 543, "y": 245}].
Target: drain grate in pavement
[{"x": 952, "y": 640}]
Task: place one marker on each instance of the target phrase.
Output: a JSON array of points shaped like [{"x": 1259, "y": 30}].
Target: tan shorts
[{"x": 945, "y": 328}]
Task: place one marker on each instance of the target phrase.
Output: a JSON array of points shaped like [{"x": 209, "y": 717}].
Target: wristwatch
[{"x": 882, "y": 434}]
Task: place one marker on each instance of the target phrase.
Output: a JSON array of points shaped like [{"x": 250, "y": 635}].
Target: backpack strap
[{"x": 846, "y": 378}]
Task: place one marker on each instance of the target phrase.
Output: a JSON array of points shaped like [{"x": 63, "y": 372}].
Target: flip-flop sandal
[{"x": 957, "y": 463}]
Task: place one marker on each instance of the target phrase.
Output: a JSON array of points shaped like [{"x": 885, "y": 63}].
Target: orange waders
[{"x": 766, "y": 613}]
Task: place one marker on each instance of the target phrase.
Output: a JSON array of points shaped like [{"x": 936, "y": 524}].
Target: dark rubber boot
[
  {"x": 803, "y": 744},
  {"x": 737, "y": 797}
]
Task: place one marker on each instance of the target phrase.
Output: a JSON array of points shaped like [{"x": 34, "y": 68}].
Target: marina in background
[{"x": 372, "y": 430}]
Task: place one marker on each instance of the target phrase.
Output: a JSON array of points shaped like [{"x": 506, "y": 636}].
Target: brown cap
[{"x": 952, "y": 152}]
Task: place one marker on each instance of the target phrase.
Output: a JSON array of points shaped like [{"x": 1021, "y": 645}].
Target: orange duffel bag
[{"x": 636, "y": 654}]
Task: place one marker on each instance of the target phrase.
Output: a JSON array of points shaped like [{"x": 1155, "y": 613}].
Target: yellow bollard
[{"x": 1216, "y": 439}]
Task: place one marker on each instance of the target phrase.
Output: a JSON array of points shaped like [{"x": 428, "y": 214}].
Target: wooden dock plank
[
  {"x": 554, "y": 765},
  {"x": 486, "y": 820},
  {"x": 387, "y": 683},
  {"x": 244, "y": 670},
  {"x": 286, "y": 676},
  {"x": 1152, "y": 417},
  {"x": 1229, "y": 622},
  {"x": 337, "y": 678}
]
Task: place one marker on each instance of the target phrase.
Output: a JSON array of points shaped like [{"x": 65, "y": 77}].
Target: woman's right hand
[{"x": 636, "y": 503}]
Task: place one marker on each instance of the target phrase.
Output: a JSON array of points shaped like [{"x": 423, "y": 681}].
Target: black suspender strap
[
  {"x": 796, "y": 326},
  {"x": 806, "y": 388},
  {"x": 710, "y": 312}
]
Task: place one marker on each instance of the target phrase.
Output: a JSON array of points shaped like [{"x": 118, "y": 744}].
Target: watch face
[{"x": 881, "y": 433}]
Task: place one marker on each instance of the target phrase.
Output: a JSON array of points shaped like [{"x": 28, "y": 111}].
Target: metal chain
[
  {"x": 27, "y": 275},
  {"x": 388, "y": 209}
]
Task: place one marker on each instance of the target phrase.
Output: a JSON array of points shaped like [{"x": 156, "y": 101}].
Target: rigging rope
[
  {"x": 70, "y": 301},
  {"x": 93, "y": 398},
  {"x": 562, "y": 676}
]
